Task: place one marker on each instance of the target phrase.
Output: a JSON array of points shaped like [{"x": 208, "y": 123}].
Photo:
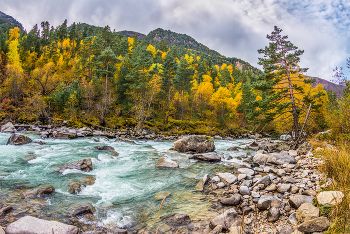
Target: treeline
[{"x": 88, "y": 75}]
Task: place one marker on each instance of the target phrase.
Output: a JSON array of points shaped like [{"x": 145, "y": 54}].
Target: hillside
[
  {"x": 7, "y": 22},
  {"x": 328, "y": 85},
  {"x": 183, "y": 40}
]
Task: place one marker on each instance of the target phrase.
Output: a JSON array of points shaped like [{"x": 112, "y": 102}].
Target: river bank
[{"x": 262, "y": 179}]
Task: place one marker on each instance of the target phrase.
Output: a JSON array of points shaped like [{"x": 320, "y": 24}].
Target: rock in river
[
  {"x": 8, "y": 128},
  {"x": 201, "y": 183},
  {"x": 195, "y": 144},
  {"x": 82, "y": 209},
  {"x": 45, "y": 190},
  {"x": 209, "y": 157},
  {"x": 104, "y": 147},
  {"x": 30, "y": 224},
  {"x": 167, "y": 162},
  {"x": 18, "y": 139},
  {"x": 82, "y": 165}
]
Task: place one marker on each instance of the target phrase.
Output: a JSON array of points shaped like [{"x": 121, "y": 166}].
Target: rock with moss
[{"x": 195, "y": 144}]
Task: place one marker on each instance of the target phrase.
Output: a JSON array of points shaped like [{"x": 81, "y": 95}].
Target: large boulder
[
  {"x": 82, "y": 165},
  {"x": 226, "y": 220},
  {"x": 18, "y": 139},
  {"x": 32, "y": 225},
  {"x": 330, "y": 197},
  {"x": 8, "y": 128},
  {"x": 195, "y": 144},
  {"x": 314, "y": 225},
  {"x": 209, "y": 157},
  {"x": 167, "y": 163},
  {"x": 274, "y": 158}
]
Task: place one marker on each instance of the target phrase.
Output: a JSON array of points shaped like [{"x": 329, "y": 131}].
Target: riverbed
[{"x": 125, "y": 185}]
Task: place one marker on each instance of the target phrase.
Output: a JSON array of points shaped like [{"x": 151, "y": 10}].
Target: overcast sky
[{"x": 235, "y": 28}]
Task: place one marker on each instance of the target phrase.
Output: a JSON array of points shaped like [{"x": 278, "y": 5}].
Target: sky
[{"x": 234, "y": 28}]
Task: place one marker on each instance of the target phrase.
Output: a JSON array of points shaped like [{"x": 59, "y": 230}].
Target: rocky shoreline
[{"x": 273, "y": 194}]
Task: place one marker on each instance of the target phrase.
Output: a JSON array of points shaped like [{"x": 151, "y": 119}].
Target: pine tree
[{"x": 280, "y": 63}]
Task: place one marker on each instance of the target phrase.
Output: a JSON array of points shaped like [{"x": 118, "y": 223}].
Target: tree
[{"x": 280, "y": 62}]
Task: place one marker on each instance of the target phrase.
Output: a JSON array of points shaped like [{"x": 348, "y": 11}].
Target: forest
[{"x": 88, "y": 75}]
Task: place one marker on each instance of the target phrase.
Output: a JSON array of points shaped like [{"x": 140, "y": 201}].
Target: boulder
[
  {"x": 314, "y": 225},
  {"x": 264, "y": 201},
  {"x": 32, "y": 225},
  {"x": 254, "y": 146},
  {"x": 82, "y": 165},
  {"x": 64, "y": 135},
  {"x": 283, "y": 188},
  {"x": 74, "y": 188},
  {"x": 246, "y": 171},
  {"x": 81, "y": 210},
  {"x": 235, "y": 199},
  {"x": 226, "y": 220},
  {"x": 167, "y": 163},
  {"x": 18, "y": 139},
  {"x": 104, "y": 147},
  {"x": 304, "y": 148},
  {"x": 8, "y": 128},
  {"x": 273, "y": 159},
  {"x": 330, "y": 198},
  {"x": 227, "y": 178},
  {"x": 273, "y": 214},
  {"x": 209, "y": 157},
  {"x": 296, "y": 201},
  {"x": 195, "y": 144},
  {"x": 176, "y": 219},
  {"x": 307, "y": 212},
  {"x": 45, "y": 190},
  {"x": 201, "y": 183}
]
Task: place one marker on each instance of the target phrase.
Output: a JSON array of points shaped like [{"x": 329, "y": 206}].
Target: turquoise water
[{"x": 125, "y": 186}]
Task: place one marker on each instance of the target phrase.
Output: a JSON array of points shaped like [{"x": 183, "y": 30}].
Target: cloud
[{"x": 235, "y": 28}]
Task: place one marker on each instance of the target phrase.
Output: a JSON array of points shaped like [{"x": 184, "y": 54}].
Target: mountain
[
  {"x": 7, "y": 22},
  {"x": 126, "y": 33},
  {"x": 183, "y": 40},
  {"x": 328, "y": 85}
]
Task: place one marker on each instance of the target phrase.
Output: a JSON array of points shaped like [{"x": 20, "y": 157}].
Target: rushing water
[{"x": 125, "y": 186}]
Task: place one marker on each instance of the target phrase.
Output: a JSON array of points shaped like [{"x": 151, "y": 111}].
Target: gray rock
[
  {"x": 166, "y": 162},
  {"x": 82, "y": 209},
  {"x": 227, "y": 178},
  {"x": 276, "y": 203},
  {"x": 286, "y": 230},
  {"x": 216, "y": 179},
  {"x": 271, "y": 188},
  {"x": 31, "y": 225},
  {"x": 264, "y": 181},
  {"x": 221, "y": 185},
  {"x": 8, "y": 128},
  {"x": 201, "y": 183},
  {"x": 292, "y": 219},
  {"x": 104, "y": 147},
  {"x": 281, "y": 172},
  {"x": 233, "y": 148},
  {"x": 288, "y": 180},
  {"x": 314, "y": 225},
  {"x": 82, "y": 165},
  {"x": 244, "y": 190},
  {"x": 125, "y": 140},
  {"x": 283, "y": 188},
  {"x": 246, "y": 171},
  {"x": 247, "y": 183},
  {"x": 226, "y": 220},
  {"x": 235, "y": 199},
  {"x": 18, "y": 139},
  {"x": 241, "y": 177},
  {"x": 274, "y": 158},
  {"x": 296, "y": 201},
  {"x": 265, "y": 201},
  {"x": 294, "y": 189},
  {"x": 307, "y": 212},
  {"x": 5, "y": 209},
  {"x": 216, "y": 230},
  {"x": 195, "y": 144},
  {"x": 273, "y": 214},
  {"x": 208, "y": 157}
]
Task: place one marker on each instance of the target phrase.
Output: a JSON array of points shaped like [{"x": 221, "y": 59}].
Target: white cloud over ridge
[{"x": 235, "y": 28}]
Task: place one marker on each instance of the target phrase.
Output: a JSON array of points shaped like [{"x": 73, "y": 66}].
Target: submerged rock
[
  {"x": 74, "y": 188},
  {"x": 167, "y": 163},
  {"x": 29, "y": 157},
  {"x": 161, "y": 195},
  {"x": 45, "y": 190},
  {"x": 31, "y": 225},
  {"x": 104, "y": 147},
  {"x": 176, "y": 219},
  {"x": 82, "y": 165},
  {"x": 209, "y": 157},
  {"x": 195, "y": 144},
  {"x": 82, "y": 209},
  {"x": 18, "y": 139}
]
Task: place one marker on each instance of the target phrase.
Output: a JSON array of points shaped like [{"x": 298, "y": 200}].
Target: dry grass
[{"x": 337, "y": 167}]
